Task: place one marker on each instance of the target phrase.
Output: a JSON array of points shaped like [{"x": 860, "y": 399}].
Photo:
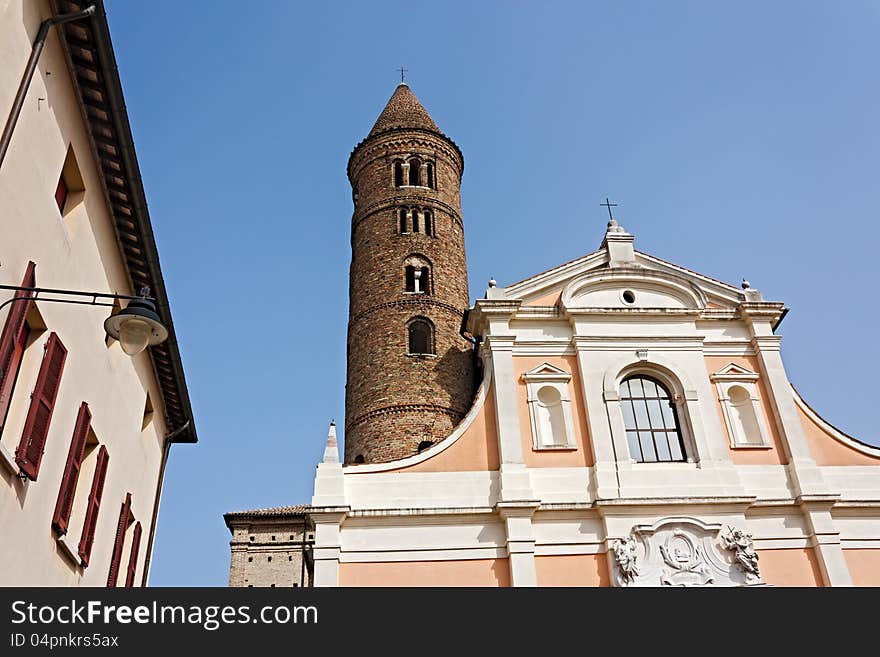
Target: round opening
[{"x": 629, "y": 296}]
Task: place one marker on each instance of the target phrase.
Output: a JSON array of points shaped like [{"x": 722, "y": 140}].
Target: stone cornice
[{"x": 403, "y": 303}]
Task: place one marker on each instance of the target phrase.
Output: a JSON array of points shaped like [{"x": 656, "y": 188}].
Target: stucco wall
[
  {"x": 75, "y": 251},
  {"x": 475, "y": 572}
]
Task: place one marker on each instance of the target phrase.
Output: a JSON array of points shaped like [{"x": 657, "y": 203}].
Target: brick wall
[
  {"x": 395, "y": 401},
  {"x": 267, "y": 552}
]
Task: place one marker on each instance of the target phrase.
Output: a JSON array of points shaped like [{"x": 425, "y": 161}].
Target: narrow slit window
[
  {"x": 430, "y": 174},
  {"x": 398, "y": 173},
  {"x": 429, "y": 223},
  {"x": 402, "y": 221},
  {"x": 415, "y": 166}
]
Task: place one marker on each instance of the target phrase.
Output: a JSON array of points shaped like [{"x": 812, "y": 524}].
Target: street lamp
[{"x": 136, "y": 326}]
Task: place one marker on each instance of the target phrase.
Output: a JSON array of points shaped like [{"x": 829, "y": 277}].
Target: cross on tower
[
  {"x": 609, "y": 205},
  {"x": 402, "y": 71}
]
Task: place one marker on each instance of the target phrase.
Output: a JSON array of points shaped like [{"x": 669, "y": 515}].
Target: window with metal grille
[
  {"x": 421, "y": 336},
  {"x": 650, "y": 420}
]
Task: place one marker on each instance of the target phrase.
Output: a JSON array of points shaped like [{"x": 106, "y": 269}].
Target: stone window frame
[
  {"x": 731, "y": 376},
  {"x": 405, "y": 163},
  {"x": 547, "y": 375}
]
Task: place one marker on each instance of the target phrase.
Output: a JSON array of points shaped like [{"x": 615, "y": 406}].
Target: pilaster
[
  {"x": 520, "y": 541},
  {"x": 826, "y": 539}
]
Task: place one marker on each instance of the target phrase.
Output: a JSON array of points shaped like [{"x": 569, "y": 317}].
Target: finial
[
  {"x": 746, "y": 285},
  {"x": 402, "y": 72},
  {"x": 331, "y": 450},
  {"x": 332, "y": 423},
  {"x": 492, "y": 282}
]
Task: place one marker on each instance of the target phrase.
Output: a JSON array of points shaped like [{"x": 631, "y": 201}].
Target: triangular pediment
[
  {"x": 734, "y": 371},
  {"x": 546, "y": 288},
  {"x": 545, "y": 372}
]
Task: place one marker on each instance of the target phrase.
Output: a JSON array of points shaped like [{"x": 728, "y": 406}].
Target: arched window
[
  {"x": 416, "y": 226},
  {"x": 398, "y": 173},
  {"x": 417, "y": 275},
  {"x": 402, "y": 221},
  {"x": 415, "y": 164},
  {"x": 430, "y": 173},
  {"x": 359, "y": 458},
  {"x": 650, "y": 420},
  {"x": 425, "y": 444},
  {"x": 421, "y": 336},
  {"x": 429, "y": 222}
]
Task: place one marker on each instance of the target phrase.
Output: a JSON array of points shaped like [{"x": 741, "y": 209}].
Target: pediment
[
  {"x": 588, "y": 282},
  {"x": 734, "y": 372},
  {"x": 546, "y": 372}
]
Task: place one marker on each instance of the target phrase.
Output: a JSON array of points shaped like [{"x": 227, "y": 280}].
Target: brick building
[{"x": 271, "y": 547}]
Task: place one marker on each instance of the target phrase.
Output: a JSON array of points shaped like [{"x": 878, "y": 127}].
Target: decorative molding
[
  {"x": 685, "y": 551},
  {"x": 544, "y": 380},
  {"x": 740, "y": 436}
]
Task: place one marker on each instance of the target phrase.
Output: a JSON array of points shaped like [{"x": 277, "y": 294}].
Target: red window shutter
[
  {"x": 14, "y": 338},
  {"x": 61, "y": 193},
  {"x": 91, "y": 521},
  {"x": 36, "y": 426},
  {"x": 124, "y": 516},
  {"x": 71, "y": 470},
  {"x": 132, "y": 559}
]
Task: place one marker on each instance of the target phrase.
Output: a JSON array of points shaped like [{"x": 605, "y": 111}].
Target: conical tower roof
[{"x": 404, "y": 111}]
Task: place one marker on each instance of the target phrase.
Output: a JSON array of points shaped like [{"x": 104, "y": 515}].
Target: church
[{"x": 618, "y": 420}]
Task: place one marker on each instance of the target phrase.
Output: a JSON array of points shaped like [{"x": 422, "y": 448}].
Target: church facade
[{"x": 618, "y": 420}]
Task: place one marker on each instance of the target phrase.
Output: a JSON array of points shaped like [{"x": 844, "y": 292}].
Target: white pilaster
[
  {"x": 826, "y": 539},
  {"x": 520, "y": 541},
  {"x": 328, "y": 521}
]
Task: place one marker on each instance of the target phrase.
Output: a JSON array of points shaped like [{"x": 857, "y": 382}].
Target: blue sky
[{"x": 740, "y": 139}]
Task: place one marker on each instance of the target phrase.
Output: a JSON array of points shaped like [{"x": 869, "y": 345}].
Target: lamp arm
[{"x": 93, "y": 302}]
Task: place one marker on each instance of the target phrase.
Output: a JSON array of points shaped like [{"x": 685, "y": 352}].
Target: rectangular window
[
  {"x": 61, "y": 517},
  {"x": 13, "y": 342},
  {"x": 36, "y": 426},
  {"x": 94, "y": 505}
]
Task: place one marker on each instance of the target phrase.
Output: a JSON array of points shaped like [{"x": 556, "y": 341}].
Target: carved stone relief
[{"x": 683, "y": 551}]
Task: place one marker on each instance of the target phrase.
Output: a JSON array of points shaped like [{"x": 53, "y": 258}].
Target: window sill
[
  {"x": 421, "y": 355},
  {"x": 8, "y": 461},
  {"x": 751, "y": 447},
  {"x": 68, "y": 550},
  {"x": 554, "y": 448}
]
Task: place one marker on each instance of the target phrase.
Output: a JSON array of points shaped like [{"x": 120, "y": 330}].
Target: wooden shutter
[
  {"x": 71, "y": 470},
  {"x": 91, "y": 521},
  {"x": 132, "y": 559},
  {"x": 36, "y": 426},
  {"x": 15, "y": 334},
  {"x": 121, "y": 526}
]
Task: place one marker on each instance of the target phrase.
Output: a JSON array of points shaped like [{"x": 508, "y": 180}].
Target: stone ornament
[
  {"x": 684, "y": 551},
  {"x": 625, "y": 557},
  {"x": 742, "y": 545}
]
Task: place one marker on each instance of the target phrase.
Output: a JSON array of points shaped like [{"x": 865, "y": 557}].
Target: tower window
[
  {"x": 402, "y": 221},
  {"x": 650, "y": 420},
  {"x": 425, "y": 444},
  {"x": 421, "y": 336},
  {"x": 416, "y": 223},
  {"x": 359, "y": 458},
  {"x": 430, "y": 173},
  {"x": 415, "y": 165},
  {"x": 418, "y": 279},
  {"x": 429, "y": 223},
  {"x": 398, "y": 173}
]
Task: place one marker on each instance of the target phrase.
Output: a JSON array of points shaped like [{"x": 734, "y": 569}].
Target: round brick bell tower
[{"x": 410, "y": 372}]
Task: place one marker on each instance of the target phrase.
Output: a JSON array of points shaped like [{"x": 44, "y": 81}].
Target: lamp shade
[{"x": 137, "y": 326}]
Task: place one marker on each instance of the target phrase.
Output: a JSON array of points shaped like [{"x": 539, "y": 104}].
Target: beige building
[
  {"x": 85, "y": 429},
  {"x": 271, "y": 547}
]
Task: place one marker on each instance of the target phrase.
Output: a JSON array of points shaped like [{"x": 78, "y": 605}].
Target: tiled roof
[{"x": 403, "y": 111}]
